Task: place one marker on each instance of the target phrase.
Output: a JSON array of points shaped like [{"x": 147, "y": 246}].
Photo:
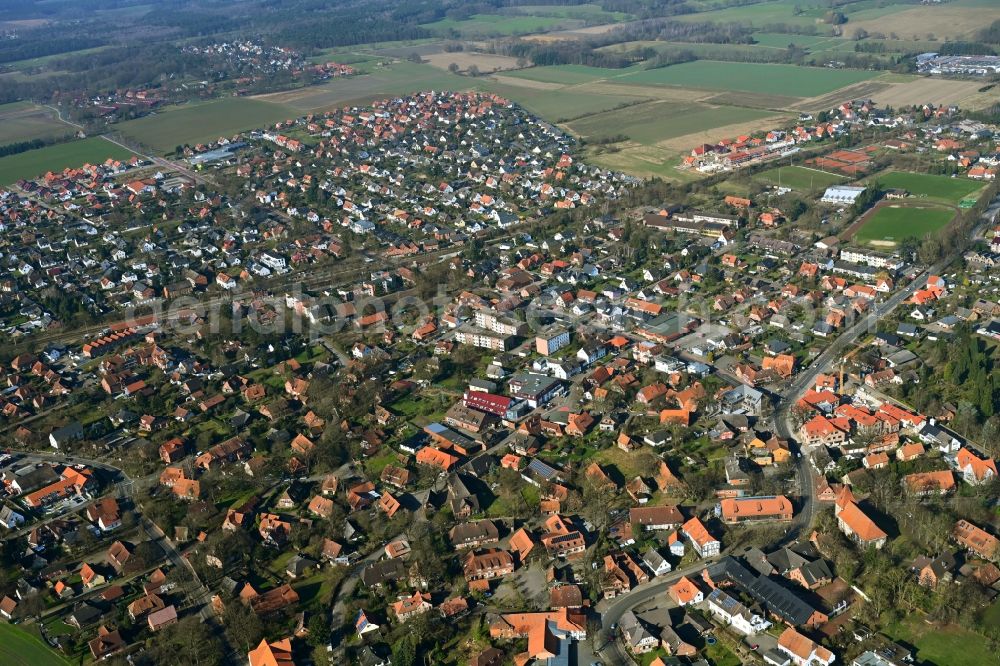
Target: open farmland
[
  {"x": 657, "y": 121},
  {"x": 888, "y": 224},
  {"x": 486, "y": 25},
  {"x": 921, "y": 89},
  {"x": 934, "y": 188},
  {"x": 953, "y": 20},
  {"x": 58, "y": 157},
  {"x": 399, "y": 78},
  {"x": 19, "y": 648},
  {"x": 799, "y": 178},
  {"x": 571, "y": 74},
  {"x": 203, "y": 122},
  {"x": 563, "y": 105},
  {"x": 24, "y": 121},
  {"x": 788, "y": 80},
  {"x": 485, "y": 62}
]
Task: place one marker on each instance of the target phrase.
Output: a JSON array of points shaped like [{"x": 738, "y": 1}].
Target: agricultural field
[
  {"x": 959, "y": 19},
  {"x": 891, "y": 223},
  {"x": 571, "y": 74},
  {"x": 933, "y": 188},
  {"x": 24, "y": 121},
  {"x": 559, "y": 106},
  {"x": 952, "y": 20},
  {"x": 19, "y": 648},
  {"x": 589, "y": 12},
  {"x": 814, "y": 43},
  {"x": 58, "y": 157},
  {"x": 197, "y": 123},
  {"x": 398, "y": 78},
  {"x": 656, "y": 121},
  {"x": 485, "y": 62},
  {"x": 799, "y": 178},
  {"x": 486, "y": 25},
  {"x": 786, "y": 80},
  {"x": 917, "y": 90}
]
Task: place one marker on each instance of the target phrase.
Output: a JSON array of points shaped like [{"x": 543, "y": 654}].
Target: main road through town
[{"x": 606, "y": 645}]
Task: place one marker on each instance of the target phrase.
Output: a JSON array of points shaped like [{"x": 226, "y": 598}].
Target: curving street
[{"x": 609, "y": 649}]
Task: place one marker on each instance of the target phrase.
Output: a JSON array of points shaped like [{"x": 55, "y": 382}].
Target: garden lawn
[
  {"x": 943, "y": 646},
  {"x": 481, "y": 25}
]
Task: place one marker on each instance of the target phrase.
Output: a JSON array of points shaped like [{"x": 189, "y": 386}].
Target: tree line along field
[
  {"x": 932, "y": 187},
  {"x": 58, "y": 157},
  {"x": 205, "y": 122},
  {"x": 19, "y": 648}
]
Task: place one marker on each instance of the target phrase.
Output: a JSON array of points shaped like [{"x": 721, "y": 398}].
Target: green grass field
[
  {"x": 34, "y": 163},
  {"x": 560, "y": 105},
  {"x": 799, "y": 178},
  {"x": 24, "y": 121},
  {"x": 484, "y": 25},
  {"x": 19, "y": 648},
  {"x": 781, "y": 40},
  {"x": 399, "y": 78},
  {"x": 588, "y": 12},
  {"x": 935, "y": 188},
  {"x": 894, "y": 223},
  {"x": 653, "y": 122},
  {"x": 943, "y": 646},
  {"x": 788, "y": 80},
  {"x": 784, "y": 11},
  {"x": 198, "y": 123},
  {"x": 570, "y": 74}
]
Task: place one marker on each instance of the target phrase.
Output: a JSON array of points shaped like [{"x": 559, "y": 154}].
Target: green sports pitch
[
  {"x": 891, "y": 224},
  {"x": 935, "y": 188}
]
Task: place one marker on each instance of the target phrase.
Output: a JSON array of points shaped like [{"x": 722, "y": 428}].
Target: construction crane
[{"x": 843, "y": 362}]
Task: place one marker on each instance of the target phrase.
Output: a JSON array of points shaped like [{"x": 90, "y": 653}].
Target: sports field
[
  {"x": 19, "y": 648},
  {"x": 24, "y": 121},
  {"x": 934, "y": 188},
  {"x": 890, "y": 224},
  {"x": 788, "y": 80},
  {"x": 799, "y": 178},
  {"x": 34, "y": 163},
  {"x": 196, "y": 123}
]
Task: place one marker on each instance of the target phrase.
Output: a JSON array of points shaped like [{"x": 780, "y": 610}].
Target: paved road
[{"x": 611, "y": 610}]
